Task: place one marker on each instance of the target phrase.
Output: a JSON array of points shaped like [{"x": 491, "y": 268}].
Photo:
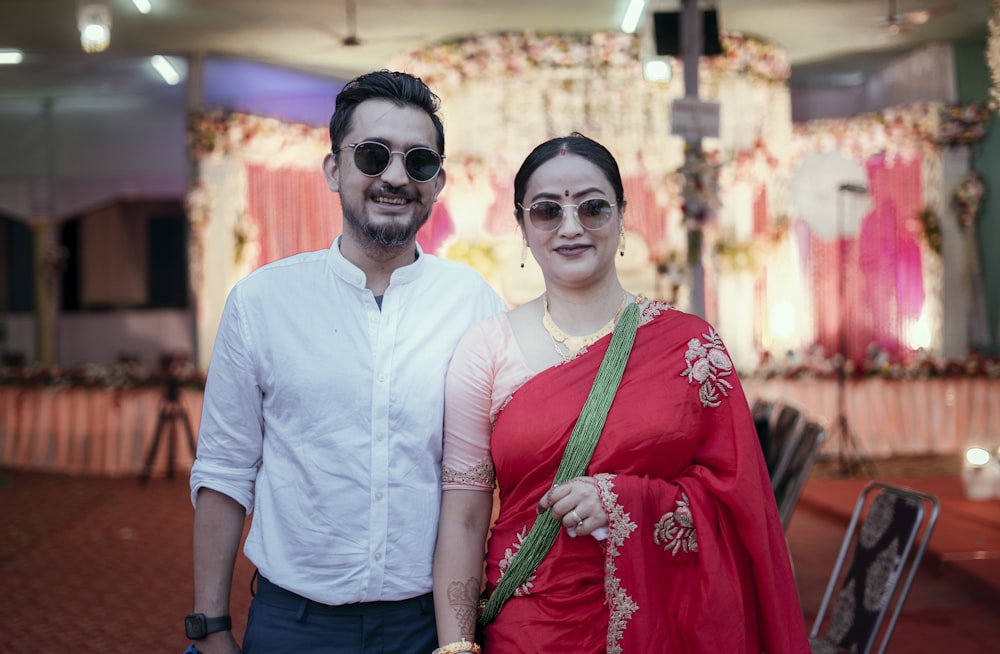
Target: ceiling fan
[
  {"x": 348, "y": 35},
  {"x": 350, "y": 38},
  {"x": 895, "y": 22}
]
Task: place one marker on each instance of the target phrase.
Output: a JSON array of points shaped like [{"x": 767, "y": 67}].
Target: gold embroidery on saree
[
  {"x": 675, "y": 531},
  {"x": 481, "y": 474},
  {"x": 707, "y": 365},
  {"x": 621, "y": 606},
  {"x": 508, "y": 555}
]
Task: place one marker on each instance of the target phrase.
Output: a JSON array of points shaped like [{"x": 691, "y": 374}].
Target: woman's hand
[{"x": 577, "y": 505}]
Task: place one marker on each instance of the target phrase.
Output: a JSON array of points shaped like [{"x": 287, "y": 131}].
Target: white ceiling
[{"x": 819, "y": 36}]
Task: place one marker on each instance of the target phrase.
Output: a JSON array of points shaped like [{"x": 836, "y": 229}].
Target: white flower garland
[{"x": 993, "y": 55}]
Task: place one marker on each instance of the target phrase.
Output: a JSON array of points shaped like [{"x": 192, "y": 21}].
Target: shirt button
[
  {"x": 380, "y": 437},
  {"x": 381, "y": 377},
  {"x": 374, "y": 317},
  {"x": 378, "y": 556},
  {"x": 378, "y": 496}
]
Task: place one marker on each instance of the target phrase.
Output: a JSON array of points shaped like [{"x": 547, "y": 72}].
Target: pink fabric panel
[
  {"x": 500, "y": 216},
  {"x": 890, "y": 269},
  {"x": 436, "y": 230},
  {"x": 760, "y": 229},
  {"x": 293, "y": 211},
  {"x": 880, "y": 268}
]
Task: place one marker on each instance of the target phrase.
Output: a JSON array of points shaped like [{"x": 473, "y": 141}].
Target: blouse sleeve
[
  {"x": 466, "y": 462},
  {"x": 486, "y": 369}
]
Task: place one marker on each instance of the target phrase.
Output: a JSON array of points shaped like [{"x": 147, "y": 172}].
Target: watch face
[{"x": 194, "y": 626}]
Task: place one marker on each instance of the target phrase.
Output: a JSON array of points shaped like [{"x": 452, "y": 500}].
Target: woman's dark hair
[
  {"x": 578, "y": 144},
  {"x": 399, "y": 88}
]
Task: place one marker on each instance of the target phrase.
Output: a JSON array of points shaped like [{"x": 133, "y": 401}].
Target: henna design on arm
[{"x": 463, "y": 597}]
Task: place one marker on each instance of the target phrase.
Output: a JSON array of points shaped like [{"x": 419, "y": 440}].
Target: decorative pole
[
  {"x": 49, "y": 257},
  {"x": 691, "y": 47}
]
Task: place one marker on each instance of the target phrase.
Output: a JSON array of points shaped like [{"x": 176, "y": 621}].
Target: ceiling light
[
  {"x": 165, "y": 69},
  {"x": 94, "y": 19},
  {"x": 11, "y": 57},
  {"x": 144, "y": 6},
  {"x": 632, "y": 15},
  {"x": 657, "y": 70}
]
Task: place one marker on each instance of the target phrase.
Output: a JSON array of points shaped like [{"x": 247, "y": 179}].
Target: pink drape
[
  {"x": 870, "y": 284},
  {"x": 293, "y": 211},
  {"x": 760, "y": 229}
]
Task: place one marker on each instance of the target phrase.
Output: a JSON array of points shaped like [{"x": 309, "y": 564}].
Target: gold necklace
[{"x": 568, "y": 346}]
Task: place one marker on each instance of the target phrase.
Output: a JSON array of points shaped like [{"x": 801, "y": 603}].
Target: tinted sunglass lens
[
  {"x": 422, "y": 164},
  {"x": 371, "y": 158},
  {"x": 545, "y": 215},
  {"x": 594, "y": 213}
]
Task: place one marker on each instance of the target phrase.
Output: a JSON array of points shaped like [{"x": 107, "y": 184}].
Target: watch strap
[
  {"x": 198, "y": 626},
  {"x": 221, "y": 623}
]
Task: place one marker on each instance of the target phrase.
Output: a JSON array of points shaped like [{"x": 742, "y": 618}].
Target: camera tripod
[
  {"x": 171, "y": 411},
  {"x": 850, "y": 460}
]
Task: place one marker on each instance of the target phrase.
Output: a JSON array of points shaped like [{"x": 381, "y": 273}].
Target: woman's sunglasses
[
  {"x": 548, "y": 215},
  {"x": 372, "y": 158}
]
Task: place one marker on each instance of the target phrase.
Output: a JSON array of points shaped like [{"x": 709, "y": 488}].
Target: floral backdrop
[{"x": 770, "y": 282}]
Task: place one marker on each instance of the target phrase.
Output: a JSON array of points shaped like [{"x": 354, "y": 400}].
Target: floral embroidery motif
[
  {"x": 620, "y": 527},
  {"x": 708, "y": 365},
  {"x": 483, "y": 474},
  {"x": 675, "y": 530},
  {"x": 508, "y": 556}
]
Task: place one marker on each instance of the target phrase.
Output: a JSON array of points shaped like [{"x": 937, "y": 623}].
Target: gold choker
[{"x": 568, "y": 346}]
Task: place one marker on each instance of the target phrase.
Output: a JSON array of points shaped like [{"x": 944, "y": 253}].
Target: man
[{"x": 324, "y": 402}]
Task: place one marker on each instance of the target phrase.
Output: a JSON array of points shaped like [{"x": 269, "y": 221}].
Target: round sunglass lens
[
  {"x": 422, "y": 164},
  {"x": 594, "y": 213},
  {"x": 371, "y": 158},
  {"x": 546, "y": 215}
]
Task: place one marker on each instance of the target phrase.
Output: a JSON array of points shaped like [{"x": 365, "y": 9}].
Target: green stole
[{"x": 574, "y": 462}]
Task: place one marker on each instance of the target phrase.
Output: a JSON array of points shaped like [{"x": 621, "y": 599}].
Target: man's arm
[{"x": 218, "y": 529}]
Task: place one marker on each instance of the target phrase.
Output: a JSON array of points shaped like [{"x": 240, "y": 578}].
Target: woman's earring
[
  {"x": 524, "y": 252},
  {"x": 621, "y": 244}
]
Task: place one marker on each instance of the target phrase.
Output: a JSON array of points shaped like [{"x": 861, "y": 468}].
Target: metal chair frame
[
  {"x": 793, "y": 421},
  {"x": 896, "y": 595},
  {"x": 807, "y": 441}
]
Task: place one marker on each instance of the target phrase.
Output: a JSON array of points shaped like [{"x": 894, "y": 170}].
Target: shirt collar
[{"x": 353, "y": 275}]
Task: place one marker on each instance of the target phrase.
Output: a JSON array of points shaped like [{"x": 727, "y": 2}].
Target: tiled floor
[{"x": 99, "y": 565}]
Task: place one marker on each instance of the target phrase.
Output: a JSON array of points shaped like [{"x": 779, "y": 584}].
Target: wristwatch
[{"x": 198, "y": 627}]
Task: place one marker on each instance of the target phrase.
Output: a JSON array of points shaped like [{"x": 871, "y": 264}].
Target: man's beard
[{"x": 387, "y": 235}]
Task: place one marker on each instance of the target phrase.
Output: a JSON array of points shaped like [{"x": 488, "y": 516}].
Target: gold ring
[{"x": 579, "y": 520}]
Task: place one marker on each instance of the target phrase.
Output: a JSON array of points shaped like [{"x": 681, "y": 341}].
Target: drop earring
[
  {"x": 524, "y": 252},
  {"x": 621, "y": 244}
]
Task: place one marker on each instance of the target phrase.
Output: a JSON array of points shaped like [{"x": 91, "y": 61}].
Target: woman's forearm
[{"x": 458, "y": 562}]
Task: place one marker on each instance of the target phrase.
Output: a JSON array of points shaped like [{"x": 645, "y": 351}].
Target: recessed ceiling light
[
  {"x": 144, "y": 6},
  {"x": 11, "y": 56},
  {"x": 165, "y": 69},
  {"x": 633, "y": 13}
]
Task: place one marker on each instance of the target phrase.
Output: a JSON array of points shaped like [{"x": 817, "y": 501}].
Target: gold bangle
[{"x": 458, "y": 647}]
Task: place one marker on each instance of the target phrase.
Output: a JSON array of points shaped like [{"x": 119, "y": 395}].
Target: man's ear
[{"x": 331, "y": 171}]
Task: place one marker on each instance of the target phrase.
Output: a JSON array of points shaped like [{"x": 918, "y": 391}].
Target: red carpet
[{"x": 104, "y": 565}]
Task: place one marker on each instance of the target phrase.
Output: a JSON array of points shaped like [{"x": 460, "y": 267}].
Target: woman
[{"x": 669, "y": 539}]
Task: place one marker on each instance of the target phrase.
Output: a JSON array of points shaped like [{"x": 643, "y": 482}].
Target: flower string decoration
[
  {"x": 963, "y": 124},
  {"x": 993, "y": 54},
  {"x": 700, "y": 195},
  {"x": 968, "y": 199}
]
